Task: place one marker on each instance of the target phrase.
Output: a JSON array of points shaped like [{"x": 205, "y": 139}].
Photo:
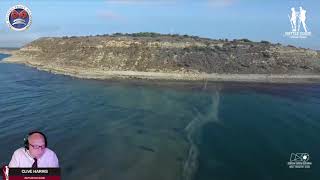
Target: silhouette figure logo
[{"x": 297, "y": 19}]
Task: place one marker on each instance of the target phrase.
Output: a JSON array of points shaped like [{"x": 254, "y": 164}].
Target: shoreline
[
  {"x": 97, "y": 74},
  {"x": 8, "y": 51}
]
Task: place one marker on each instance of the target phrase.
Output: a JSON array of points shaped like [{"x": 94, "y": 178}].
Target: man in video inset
[{"x": 35, "y": 154}]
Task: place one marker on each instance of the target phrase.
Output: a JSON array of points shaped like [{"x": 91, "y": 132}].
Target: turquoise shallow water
[{"x": 121, "y": 130}]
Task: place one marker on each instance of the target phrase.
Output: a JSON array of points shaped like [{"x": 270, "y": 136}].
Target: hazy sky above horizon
[{"x": 233, "y": 19}]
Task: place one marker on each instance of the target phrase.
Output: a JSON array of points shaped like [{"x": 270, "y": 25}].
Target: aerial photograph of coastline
[{"x": 160, "y": 89}]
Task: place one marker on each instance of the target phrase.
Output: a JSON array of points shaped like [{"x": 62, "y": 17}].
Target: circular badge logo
[{"x": 19, "y": 18}]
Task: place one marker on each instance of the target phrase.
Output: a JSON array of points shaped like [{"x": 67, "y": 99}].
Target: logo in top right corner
[{"x": 297, "y": 19}]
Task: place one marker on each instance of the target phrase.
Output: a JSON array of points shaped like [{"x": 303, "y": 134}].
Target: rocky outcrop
[
  {"x": 170, "y": 57},
  {"x": 165, "y": 53}
]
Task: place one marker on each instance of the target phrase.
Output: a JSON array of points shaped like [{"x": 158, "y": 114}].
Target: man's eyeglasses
[{"x": 37, "y": 147}]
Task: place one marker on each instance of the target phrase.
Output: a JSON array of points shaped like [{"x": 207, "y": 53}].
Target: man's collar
[{"x": 27, "y": 152}]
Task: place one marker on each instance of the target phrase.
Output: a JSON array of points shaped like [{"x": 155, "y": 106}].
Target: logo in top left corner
[{"x": 19, "y": 18}]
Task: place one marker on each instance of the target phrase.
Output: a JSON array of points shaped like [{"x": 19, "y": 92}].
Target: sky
[{"x": 217, "y": 19}]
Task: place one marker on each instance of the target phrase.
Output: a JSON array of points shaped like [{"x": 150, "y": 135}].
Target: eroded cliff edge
[{"x": 168, "y": 56}]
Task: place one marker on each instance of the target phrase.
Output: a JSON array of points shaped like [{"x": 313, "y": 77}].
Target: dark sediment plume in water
[{"x": 193, "y": 130}]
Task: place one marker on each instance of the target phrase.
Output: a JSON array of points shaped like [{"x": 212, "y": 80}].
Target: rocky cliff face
[{"x": 171, "y": 54}]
